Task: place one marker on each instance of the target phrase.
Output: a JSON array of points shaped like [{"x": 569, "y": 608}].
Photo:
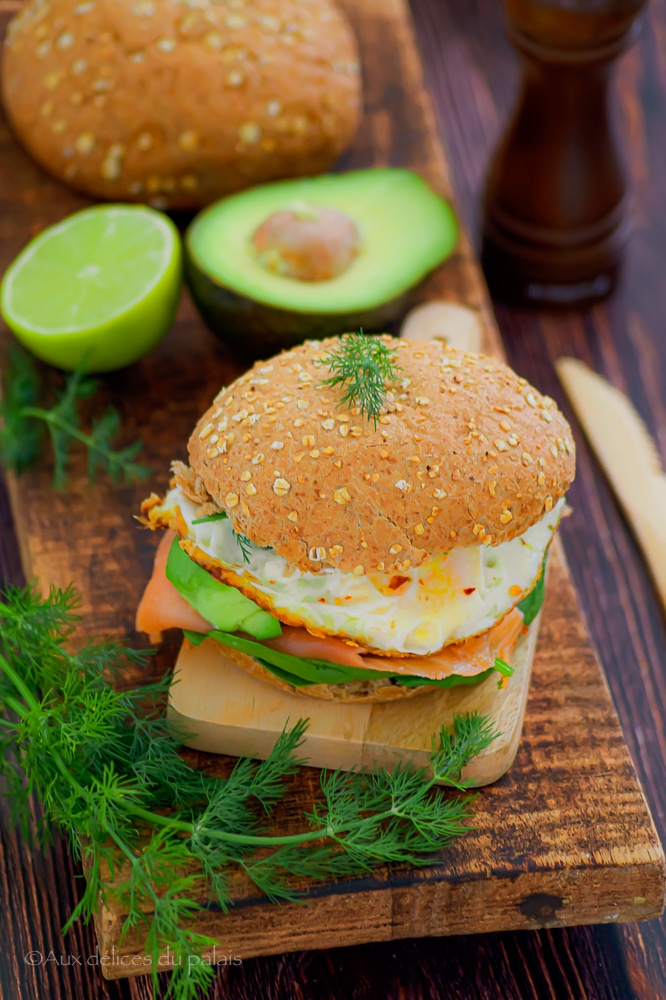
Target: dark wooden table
[{"x": 472, "y": 75}]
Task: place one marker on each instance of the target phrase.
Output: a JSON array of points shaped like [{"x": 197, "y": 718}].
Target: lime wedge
[{"x": 102, "y": 287}]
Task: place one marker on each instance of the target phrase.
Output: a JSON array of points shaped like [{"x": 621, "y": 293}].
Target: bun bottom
[
  {"x": 225, "y": 710},
  {"x": 371, "y": 691}
]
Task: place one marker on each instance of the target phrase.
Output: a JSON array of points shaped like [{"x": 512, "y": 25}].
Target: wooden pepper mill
[{"x": 555, "y": 208}]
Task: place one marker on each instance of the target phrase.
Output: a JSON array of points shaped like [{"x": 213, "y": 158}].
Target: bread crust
[
  {"x": 467, "y": 452},
  {"x": 177, "y": 105}
]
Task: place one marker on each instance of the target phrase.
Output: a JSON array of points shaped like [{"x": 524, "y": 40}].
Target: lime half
[{"x": 102, "y": 287}]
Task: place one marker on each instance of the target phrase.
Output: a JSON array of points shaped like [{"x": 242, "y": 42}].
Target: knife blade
[{"x": 628, "y": 455}]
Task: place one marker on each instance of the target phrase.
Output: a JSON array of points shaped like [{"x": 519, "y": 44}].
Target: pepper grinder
[{"x": 555, "y": 206}]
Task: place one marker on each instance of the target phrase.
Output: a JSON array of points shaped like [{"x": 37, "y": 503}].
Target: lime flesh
[{"x": 100, "y": 288}]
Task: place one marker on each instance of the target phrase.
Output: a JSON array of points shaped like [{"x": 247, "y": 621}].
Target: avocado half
[{"x": 406, "y": 230}]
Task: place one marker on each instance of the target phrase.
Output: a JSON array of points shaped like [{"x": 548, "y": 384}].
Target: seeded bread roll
[
  {"x": 466, "y": 452},
  {"x": 179, "y": 103}
]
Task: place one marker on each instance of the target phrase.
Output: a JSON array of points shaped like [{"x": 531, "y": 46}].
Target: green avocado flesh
[
  {"x": 223, "y": 606},
  {"x": 296, "y": 670},
  {"x": 406, "y": 230}
]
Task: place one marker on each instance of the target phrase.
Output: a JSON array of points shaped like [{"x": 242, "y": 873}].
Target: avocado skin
[{"x": 252, "y": 330}]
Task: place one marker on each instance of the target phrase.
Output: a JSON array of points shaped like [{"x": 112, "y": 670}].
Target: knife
[{"x": 628, "y": 456}]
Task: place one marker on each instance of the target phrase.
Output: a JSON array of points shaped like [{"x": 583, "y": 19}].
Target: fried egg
[{"x": 452, "y": 596}]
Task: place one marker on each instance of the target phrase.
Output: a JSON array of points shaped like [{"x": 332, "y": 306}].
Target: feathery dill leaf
[
  {"x": 364, "y": 366},
  {"x": 242, "y": 541},
  {"x": 106, "y": 765},
  {"x": 245, "y": 545},
  {"x": 23, "y": 418},
  {"x": 20, "y": 439}
]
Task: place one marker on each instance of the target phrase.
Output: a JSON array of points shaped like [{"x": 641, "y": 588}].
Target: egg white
[{"x": 450, "y": 597}]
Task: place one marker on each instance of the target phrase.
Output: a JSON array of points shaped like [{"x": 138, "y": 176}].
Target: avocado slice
[
  {"x": 223, "y": 606},
  {"x": 405, "y": 230}
]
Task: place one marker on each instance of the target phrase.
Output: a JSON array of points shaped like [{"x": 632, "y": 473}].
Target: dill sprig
[
  {"x": 23, "y": 418},
  {"x": 242, "y": 541},
  {"x": 245, "y": 545},
  {"x": 364, "y": 366},
  {"x": 161, "y": 836}
]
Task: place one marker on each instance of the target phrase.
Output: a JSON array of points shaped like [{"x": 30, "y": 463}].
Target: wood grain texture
[
  {"x": 560, "y": 839},
  {"x": 473, "y": 74}
]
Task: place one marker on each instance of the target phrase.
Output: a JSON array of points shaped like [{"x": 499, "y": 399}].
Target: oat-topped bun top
[
  {"x": 178, "y": 103},
  {"x": 465, "y": 452}
]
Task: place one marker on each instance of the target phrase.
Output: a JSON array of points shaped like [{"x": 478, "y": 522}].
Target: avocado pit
[
  {"x": 311, "y": 257},
  {"x": 307, "y": 242}
]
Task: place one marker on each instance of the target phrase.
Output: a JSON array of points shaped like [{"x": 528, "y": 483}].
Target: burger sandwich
[{"x": 363, "y": 519}]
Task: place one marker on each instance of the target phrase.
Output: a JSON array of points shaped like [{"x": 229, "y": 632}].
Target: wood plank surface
[
  {"x": 562, "y": 839},
  {"x": 474, "y": 75},
  {"x": 573, "y": 964},
  {"x": 397, "y": 129}
]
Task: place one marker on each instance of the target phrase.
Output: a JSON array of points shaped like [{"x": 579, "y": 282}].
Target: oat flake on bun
[{"x": 465, "y": 452}]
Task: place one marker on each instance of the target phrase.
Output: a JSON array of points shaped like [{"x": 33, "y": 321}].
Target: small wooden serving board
[
  {"x": 225, "y": 710},
  {"x": 565, "y": 837}
]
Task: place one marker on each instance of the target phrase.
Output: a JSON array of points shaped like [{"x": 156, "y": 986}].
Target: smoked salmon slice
[
  {"x": 162, "y": 607},
  {"x": 297, "y": 641},
  {"x": 470, "y": 657}
]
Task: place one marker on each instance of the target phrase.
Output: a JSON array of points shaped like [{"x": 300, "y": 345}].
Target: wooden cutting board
[
  {"x": 225, "y": 710},
  {"x": 566, "y": 836}
]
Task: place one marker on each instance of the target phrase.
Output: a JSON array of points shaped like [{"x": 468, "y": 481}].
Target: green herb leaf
[
  {"x": 20, "y": 438},
  {"x": 244, "y": 543},
  {"x": 23, "y": 420},
  {"x": 364, "y": 366},
  {"x": 504, "y": 668},
  {"x": 211, "y": 517},
  {"x": 531, "y": 605},
  {"x": 105, "y": 763}
]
